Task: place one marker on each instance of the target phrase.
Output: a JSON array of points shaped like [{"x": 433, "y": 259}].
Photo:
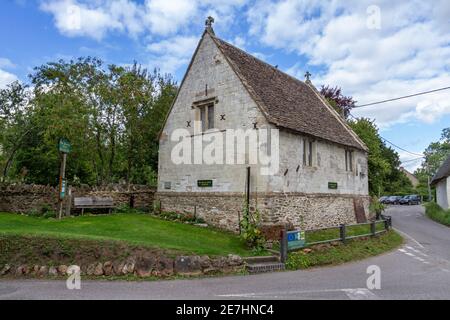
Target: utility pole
[{"x": 429, "y": 182}]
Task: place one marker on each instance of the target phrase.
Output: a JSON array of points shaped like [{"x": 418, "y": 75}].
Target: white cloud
[
  {"x": 6, "y": 78},
  {"x": 408, "y": 54},
  {"x": 170, "y": 54},
  {"x": 6, "y": 63}
]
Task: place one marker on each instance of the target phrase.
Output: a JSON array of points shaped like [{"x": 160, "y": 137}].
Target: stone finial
[
  {"x": 208, "y": 24},
  {"x": 307, "y": 76}
]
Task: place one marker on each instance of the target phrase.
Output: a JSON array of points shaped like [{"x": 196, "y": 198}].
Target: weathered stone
[
  {"x": 219, "y": 263},
  {"x": 108, "y": 268},
  {"x": 62, "y": 270},
  {"x": 234, "y": 260},
  {"x": 90, "y": 269},
  {"x": 5, "y": 270},
  {"x": 52, "y": 271},
  {"x": 98, "y": 271},
  {"x": 128, "y": 268},
  {"x": 188, "y": 265},
  {"x": 22, "y": 270},
  {"x": 43, "y": 271},
  {"x": 307, "y": 250},
  {"x": 35, "y": 269},
  {"x": 205, "y": 262},
  {"x": 145, "y": 265},
  {"x": 165, "y": 266}
]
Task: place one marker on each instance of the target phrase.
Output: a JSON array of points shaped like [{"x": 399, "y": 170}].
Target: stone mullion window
[
  {"x": 206, "y": 116},
  {"x": 349, "y": 160}
]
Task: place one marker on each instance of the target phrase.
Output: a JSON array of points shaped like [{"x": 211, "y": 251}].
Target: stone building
[
  {"x": 321, "y": 177},
  {"x": 414, "y": 181},
  {"x": 441, "y": 181}
]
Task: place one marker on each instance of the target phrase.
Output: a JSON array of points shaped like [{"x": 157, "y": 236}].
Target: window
[
  {"x": 348, "y": 160},
  {"x": 308, "y": 152},
  {"x": 207, "y": 116}
]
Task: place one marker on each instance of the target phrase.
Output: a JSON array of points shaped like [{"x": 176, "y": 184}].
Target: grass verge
[
  {"x": 137, "y": 229},
  {"x": 436, "y": 213},
  {"x": 337, "y": 253}
]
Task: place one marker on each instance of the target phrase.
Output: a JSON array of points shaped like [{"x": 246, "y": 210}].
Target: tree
[
  {"x": 111, "y": 114},
  {"x": 342, "y": 104},
  {"x": 437, "y": 152}
]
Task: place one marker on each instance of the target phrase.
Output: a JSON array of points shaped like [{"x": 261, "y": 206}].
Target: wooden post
[
  {"x": 195, "y": 212},
  {"x": 239, "y": 222},
  {"x": 69, "y": 201},
  {"x": 342, "y": 232},
  {"x": 283, "y": 246},
  {"x": 372, "y": 228},
  {"x": 247, "y": 203},
  {"x": 62, "y": 175}
]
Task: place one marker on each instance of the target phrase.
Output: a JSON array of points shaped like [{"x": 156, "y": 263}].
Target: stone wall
[
  {"x": 22, "y": 198},
  {"x": 305, "y": 211}
]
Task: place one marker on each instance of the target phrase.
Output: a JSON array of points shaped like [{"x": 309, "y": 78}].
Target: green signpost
[{"x": 64, "y": 147}]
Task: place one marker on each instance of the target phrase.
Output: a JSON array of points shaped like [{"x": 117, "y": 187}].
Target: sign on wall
[
  {"x": 332, "y": 185},
  {"x": 204, "y": 183}
]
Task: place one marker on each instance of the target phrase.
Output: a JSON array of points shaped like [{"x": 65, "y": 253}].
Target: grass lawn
[
  {"x": 356, "y": 249},
  {"x": 138, "y": 229},
  {"x": 436, "y": 213}
]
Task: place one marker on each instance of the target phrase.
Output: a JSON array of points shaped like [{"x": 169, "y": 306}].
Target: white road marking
[
  {"x": 360, "y": 294},
  {"x": 352, "y": 293},
  {"x": 407, "y": 235},
  {"x": 417, "y": 251}
]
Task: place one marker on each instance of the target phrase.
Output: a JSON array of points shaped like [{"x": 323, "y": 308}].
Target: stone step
[
  {"x": 261, "y": 259},
  {"x": 265, "y": 267}
]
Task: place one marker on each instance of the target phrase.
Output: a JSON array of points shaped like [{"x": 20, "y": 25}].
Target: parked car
[
  {"x": 393, "y": 200},
  {"x": 404, "y": 200},
  {"x": 383, "y": 199},
  {"x": 414, "y": 199}
]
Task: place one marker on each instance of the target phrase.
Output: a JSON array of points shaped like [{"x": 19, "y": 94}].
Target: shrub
[
  {"x": 376, "y": 207},
  {"x": 436, "y": 213},
  {"x": 250, "y": 232}
]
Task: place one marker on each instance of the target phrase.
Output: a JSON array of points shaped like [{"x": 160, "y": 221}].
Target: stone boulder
[
  {"x": 53, "y": 272},
  {"x": 108, "y": 268},
  {"x": 62, "y": 270},
  {"x": 145, "y": 264},
  {"x": 43, "y": 271},
  {"x": 188, "y": 265},
  {"x": 98, "y": 270},
  {"x": 90, "y": 269},
  {"x": 5, "y": 270}
]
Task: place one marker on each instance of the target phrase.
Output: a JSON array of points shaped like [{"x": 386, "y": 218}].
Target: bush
[
  {"x": 376, "y": 207},
  {"x": 181, "y": 217},
  {"x": 436, "y": 213},
  {"x": 250, "y": 232}
]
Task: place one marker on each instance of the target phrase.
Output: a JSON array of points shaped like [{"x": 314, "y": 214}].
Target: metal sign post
[{"x": 64, "y": 147}]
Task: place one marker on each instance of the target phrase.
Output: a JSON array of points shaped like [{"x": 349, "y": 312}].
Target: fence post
[
  {"x": 283, "y": 246},
  {"x": 160, "y": 208},
  {"x": 239, "y": 222},
  {"x": 342, "y": 232},
  {"x": 372, "y": 228}
]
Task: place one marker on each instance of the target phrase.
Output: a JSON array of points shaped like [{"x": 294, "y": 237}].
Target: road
[{"x": 420, "y": 269}]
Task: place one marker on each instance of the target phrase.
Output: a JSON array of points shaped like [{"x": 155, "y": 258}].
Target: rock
[
  {"x": 22, "y": 270},
  {"x": 188, "y": 265},
  {"x": 108, "y": 268},
  {"x": 35, "y": 269},
  {"x": 118, "y": 268},
  {"x": 145, "y": 265},
  {"x": 307, "y": 250},
  {"x": 53, "y": 272},
  {"x": 203, "y": 225},
  {"x": 5, "y": 270},
  {"x": 90, "y": 269},
  {"x": 234, "y": 260},
  {"x": 43, "y": 271},
  {"x": 219, "y": 263},
  {"x": 205, "y": 262},
  {"x": 164, "y": 267},
  {"x": 98, "y": 271},
  {"x": 128, "y": 268},
  {"x": 62, "y": 270}
]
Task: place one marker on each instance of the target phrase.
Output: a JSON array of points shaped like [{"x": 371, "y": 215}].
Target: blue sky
[{"x": 374, "y": 50}]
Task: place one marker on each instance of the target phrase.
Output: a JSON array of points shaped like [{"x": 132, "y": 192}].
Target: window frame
[
  {"x": 349, "y": 160},
  {"x": 204, "y": 111}
]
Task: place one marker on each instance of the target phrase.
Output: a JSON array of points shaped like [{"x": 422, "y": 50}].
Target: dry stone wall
[{"x": 22, "y": 198}]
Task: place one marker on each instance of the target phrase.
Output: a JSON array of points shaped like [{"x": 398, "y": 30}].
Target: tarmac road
[{"x": 418, "y": 270}]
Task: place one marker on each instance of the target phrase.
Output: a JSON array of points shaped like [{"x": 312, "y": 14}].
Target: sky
[{"x": 373, "y": 50}]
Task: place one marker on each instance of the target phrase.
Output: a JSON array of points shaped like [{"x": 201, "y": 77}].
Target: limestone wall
[
  {"x": 305, "y": 211},
  {"x": 23, "y": 198}
]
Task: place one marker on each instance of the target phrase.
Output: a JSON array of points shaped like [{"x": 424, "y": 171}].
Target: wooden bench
[{"x": 93, "y": 203}]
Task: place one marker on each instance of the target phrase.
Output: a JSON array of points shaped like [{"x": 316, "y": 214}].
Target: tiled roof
[{"x": 288, "y": 102}]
